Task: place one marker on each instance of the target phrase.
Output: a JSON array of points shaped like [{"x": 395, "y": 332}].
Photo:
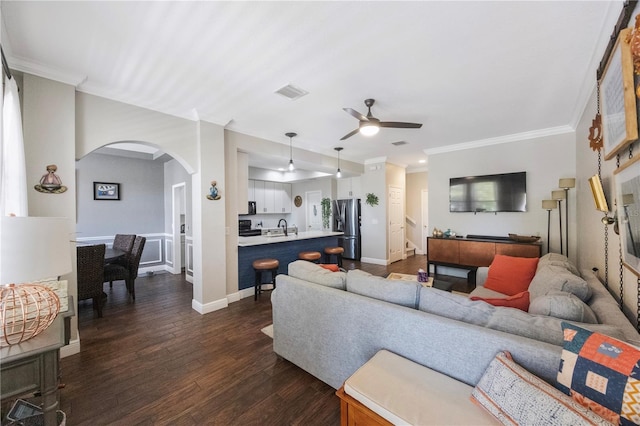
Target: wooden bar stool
[
  {"x": 311, "y": 256},
  {"x": 264, "y": 265},
  {"x": 328, "y": 251}
]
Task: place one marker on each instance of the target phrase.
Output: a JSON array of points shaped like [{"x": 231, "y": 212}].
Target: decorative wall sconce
[
  {"x": 549, "y": 205},
  {"x": 214, "y": 194},
  {"x": 50, "y": 182}
]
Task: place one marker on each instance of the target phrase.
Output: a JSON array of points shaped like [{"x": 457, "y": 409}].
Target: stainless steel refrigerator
[{"x": 346, "y": 218}]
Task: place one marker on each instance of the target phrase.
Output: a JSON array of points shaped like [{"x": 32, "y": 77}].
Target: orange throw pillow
[
  {"x": 330, "y": 266},
  {"x": 519, "y": 301},
  {"x": 511, "y": 275}
]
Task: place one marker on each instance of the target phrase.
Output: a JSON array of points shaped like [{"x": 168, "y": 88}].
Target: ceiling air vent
[
  {"x": 291, "y": 92},
  {"x": 399, "y": 143}
]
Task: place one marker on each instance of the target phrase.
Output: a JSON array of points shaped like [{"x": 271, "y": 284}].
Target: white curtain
[{"x": 13, "y": 175}]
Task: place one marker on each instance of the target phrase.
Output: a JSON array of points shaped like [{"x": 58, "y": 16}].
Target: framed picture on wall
[
  {"x": 627, "y": 182},
  {"x": 106, "y": 191},
  {"x": 618, "y": 100}
]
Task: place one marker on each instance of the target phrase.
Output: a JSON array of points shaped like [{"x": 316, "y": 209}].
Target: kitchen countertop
[{"x": 263, "y": 239}]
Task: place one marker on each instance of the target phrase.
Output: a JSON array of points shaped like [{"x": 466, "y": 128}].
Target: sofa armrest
[{"x": 481, "y": 275}]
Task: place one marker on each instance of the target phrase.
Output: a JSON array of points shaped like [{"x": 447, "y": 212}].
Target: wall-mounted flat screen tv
[{"x": 505, "y": 192}]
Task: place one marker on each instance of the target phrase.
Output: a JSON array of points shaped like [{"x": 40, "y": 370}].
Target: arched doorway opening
[{"x": 154, "y": 201}]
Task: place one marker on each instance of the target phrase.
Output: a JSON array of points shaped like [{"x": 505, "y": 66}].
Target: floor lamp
[
  {"x": 566, "y": 184},
  {"x": 549, "y": 205},
  {"x": 558, "y": 196}
]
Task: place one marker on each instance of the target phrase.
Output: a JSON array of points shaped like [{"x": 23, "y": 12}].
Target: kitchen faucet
[{"x": 284, "y": 227}]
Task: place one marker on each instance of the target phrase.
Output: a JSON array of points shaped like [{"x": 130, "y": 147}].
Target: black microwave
[{"x": 252, "y": 207}]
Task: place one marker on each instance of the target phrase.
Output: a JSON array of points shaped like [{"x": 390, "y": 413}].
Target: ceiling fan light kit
[
  {"x": 369, "y": 129},
  {"x": 369, "y": 125}
]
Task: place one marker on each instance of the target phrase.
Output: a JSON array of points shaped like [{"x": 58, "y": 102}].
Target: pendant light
[
  {"x": 291, "y": 135},
  {"x": 339, "y": 173}
]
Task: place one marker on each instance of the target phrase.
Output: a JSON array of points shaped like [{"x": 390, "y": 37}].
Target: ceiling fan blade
[
  {"x": 356, "y": 114},
  {"x": 348, "y": 135},
  {"x": 400, "y": 125}
]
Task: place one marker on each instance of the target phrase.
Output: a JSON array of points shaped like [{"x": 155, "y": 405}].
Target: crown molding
[
  {"x": 62, "y": 76},
  {"x": 518, "y": 137}
]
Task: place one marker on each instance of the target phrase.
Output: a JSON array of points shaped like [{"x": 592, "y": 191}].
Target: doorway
[
  {"x": 314, "y": 210},
  {"x": 178, "y": 209},
  {"x": 425, "y": 219},
  {"x": 396, "y": 228}
]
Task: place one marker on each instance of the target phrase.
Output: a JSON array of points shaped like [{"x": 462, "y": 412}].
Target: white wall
[
  {"x": 416, "y": 183},
  {"x": 140, "y": 209},
  {"x": 591, "y": 238},
  {"x": 48, "y": 122},
  {"x": 326, "y": 185},
  {"x": 101, "y": 121},
  {"x": 545, "y": 159},
  {"x": 374, "y": 218}
]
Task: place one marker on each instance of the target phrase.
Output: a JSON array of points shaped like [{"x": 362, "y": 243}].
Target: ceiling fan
[{"x": 369, "y": 125}]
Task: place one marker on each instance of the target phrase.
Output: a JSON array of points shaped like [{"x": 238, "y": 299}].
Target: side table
[{"x": 33, "y": 365}]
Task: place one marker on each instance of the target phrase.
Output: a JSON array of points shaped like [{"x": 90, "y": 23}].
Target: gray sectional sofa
[{"x": 331, "y": 323}]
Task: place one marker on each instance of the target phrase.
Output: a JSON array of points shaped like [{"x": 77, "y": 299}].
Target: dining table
[{"x": 113, "y": 254}]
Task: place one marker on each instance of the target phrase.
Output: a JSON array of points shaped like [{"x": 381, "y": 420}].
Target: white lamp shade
[
  {"x": 549, "y": 204},
  {"x": 33, "y": 248},
  {"x": 567, "y": 183},
  {"x": 558, "y": 195}
]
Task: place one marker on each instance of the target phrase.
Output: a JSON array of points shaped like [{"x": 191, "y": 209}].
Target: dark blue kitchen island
[{"x": 285, "y": 249}]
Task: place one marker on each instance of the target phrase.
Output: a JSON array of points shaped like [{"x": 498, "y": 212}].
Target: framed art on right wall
[
  {"x": 627, "y": 182},
  {"x": 617, "y": 99}
]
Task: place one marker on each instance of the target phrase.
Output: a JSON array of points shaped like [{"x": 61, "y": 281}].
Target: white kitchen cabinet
[
  {"x": 270, "y": 197},
  {"x": 259, "y": 194},
  {"x": 349, "y": 188},
  {"x": 251, "y": 190},
  {"x": 243, "y": 179},
  {"x": 282, "y": 197},
  {"x": 286, "y": 198}
]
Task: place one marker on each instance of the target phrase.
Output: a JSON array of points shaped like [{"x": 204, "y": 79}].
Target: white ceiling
[{"x": 469, "y": 71}]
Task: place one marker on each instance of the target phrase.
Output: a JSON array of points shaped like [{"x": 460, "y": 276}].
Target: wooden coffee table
[{"x": 439, "y": 284}]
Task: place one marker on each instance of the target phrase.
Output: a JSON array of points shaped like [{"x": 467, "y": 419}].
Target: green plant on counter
[
  {"x": 326, "y": 212},
  {"x": 372, "y": 199}
]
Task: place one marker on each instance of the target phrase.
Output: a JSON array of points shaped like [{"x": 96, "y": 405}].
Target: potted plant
[
  {"x": 326, "y": 212},
  {"x": 372, "y": 199}
]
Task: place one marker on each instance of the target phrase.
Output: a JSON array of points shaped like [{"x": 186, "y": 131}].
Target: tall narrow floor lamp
[
  {"x": 549, "y": 205},
  {"x": 566, "y": 184},
  {"x": 558, "y": 196}
]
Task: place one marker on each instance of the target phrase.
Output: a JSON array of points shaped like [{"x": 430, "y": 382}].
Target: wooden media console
[{"x": 471, "y": 253}]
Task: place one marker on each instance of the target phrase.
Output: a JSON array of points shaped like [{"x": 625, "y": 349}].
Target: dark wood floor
[{"x": 158, "y": 362}]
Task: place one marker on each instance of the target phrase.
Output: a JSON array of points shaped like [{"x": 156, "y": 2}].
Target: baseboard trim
[
  {"x": 216, "y": 305},
  {"x": 71, "y": 349},
  {"x": 242, "y": 294},
  {"x": 383, "y": 262}
]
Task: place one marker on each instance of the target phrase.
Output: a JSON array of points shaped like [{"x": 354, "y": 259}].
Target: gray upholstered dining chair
[
  {"x": 129, "y": 272},
  {"x": 90, "y": 272}
]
